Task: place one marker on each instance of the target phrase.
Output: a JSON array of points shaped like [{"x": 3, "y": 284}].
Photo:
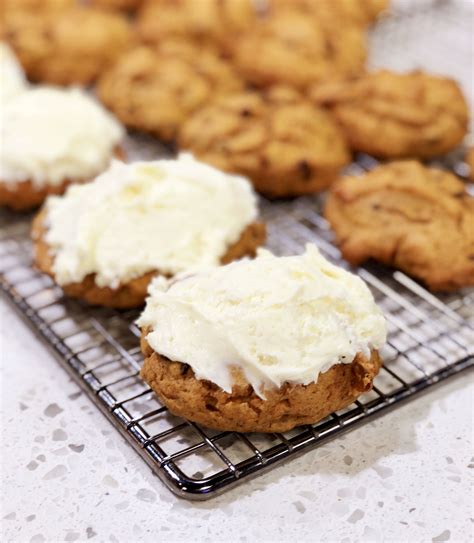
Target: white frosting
[
  {"x": 12, "y": 77},
  {"x": 49, "y": 135},
  {"x": 167, "y": 215},
  {"x": 277, "y": 319}
]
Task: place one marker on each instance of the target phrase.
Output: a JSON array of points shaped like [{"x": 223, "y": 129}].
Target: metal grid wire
[{"x": 430, "y": 338}]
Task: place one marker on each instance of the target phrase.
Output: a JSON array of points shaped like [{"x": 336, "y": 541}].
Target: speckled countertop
[{"x": 68, "y": 476}]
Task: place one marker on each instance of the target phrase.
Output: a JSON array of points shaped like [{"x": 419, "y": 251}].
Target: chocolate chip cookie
[
  {"x": 291, "y": 48},
  {"x": 393, "y": 115},
  {"x": 67, "y": 46},
  {"x": 281, "y": 142},
  {"x": 155, "y": 89}
]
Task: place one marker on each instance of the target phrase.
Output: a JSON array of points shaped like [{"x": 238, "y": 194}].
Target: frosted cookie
[
  {"x": 12, "y": 78},
  {"x": 156, "y": 89},
  {"x": 293, "y": 49},
  {"x": 72, "y": 45},
  {"x": 286, "y": 146},
  {"x": 104, "y": 241},
  {"x": 50, "y": 138},
  {"x": 417, "y": 219},
  {"x": 390, "y": 115},
  {"x": 203, "y": 21},
  {"x": 262, "y": 345}
]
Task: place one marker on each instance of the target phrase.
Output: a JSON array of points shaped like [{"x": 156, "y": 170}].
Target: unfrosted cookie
[
  {"x": 262, "y": 345},
  {"x": 156, "y": 89},
  {"x": 392, "y": 115},
  {"x": 202, "y": 21},
  {"x": 50, "y": 138},
  {"x": 103, "y": 242},
  {"x": 291, "y": 48},
  {"x": 283, "y": 144},
  {"x": 417, "y": 219},
  {"x": 72, "y": 45}
]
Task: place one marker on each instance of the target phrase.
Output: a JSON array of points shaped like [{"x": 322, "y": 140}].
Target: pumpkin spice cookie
[
  {"x": 69, "y": 46},
  {"x": 392, "y": 115},
  {"x": 50, "y": 138},
  {"x": 261, "y": 345},
  {"x": 417, "y": 219},
  {"x": 104, "y": 241},
  {"x": 293, "y": 49},
  {"x": 156, "y": 89},
  {"x": 284, "y": 145},
  {"x": 202, "y": 22}
]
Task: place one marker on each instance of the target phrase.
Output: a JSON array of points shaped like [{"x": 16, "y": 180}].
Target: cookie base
[
  {"x": 25, "y": 195},
  {"x": 242, "y": 410}
]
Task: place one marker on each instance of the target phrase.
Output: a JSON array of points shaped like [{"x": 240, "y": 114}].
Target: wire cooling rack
[{"x": 430, "y": 337}]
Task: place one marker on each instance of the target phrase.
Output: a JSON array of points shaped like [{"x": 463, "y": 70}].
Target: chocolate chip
[
  {"x": 245, "y": 112},
  {"x": 304, "y": 169}
]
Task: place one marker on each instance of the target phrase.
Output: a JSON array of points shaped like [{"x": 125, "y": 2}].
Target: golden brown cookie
[
  {"x": 243, "y": 411},
  {"x": 134, "y": 292},
  {"x": 417, "y": 219},
  {"x": 202, "y": 21},
  {"x": 333, "y": 13},
  {"x": 282, "y": 143},
  {"x": 293, "y": 49},
  {"x": 392, "y": 115},
  {"x": 69, "y": 46},
  {"x": 156, "y": 89},
  {"x": 26, "y": 195}
]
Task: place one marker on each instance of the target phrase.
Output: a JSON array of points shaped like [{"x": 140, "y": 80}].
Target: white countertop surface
[{"x": 68, "y": 476}]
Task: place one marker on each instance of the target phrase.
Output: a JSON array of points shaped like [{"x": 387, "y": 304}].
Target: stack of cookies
[{"x": 272, "y": 96}]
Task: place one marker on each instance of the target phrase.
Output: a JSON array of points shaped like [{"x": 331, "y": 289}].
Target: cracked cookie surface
[
  {"x": 417, "y": 219},
  {"x": 156, "y": 89},
  {"x": 392, "y": 115},
  {"x": 68, "y": 46},
  {"x": 242, "y": 410},
  {"x": 282, "y": 143}
]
